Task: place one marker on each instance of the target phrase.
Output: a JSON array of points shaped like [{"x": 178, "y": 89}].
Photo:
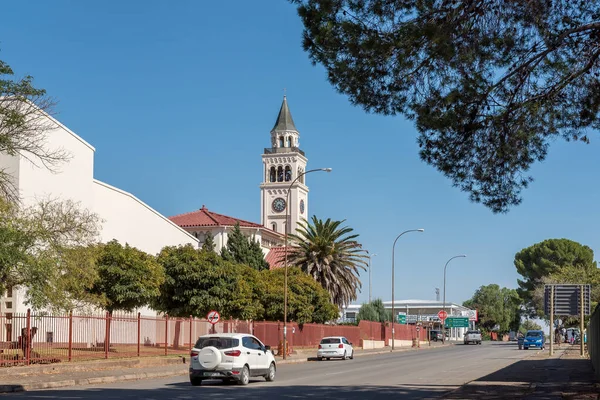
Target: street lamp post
[
  {"x": 285, "y": 287},
  {"x": 370, "y": 255},
  {"x": 444, "y": 306},
  {"x": 393, "y": 312}
]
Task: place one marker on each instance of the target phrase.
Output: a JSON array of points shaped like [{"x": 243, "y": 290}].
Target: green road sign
[
  {"x": 457, "y": 322},
  {"x": 402, "y": 319}
]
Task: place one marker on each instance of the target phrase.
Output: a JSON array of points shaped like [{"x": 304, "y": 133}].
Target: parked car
[
  {"x": 231, "y": 357},
  {"x": 335, "y": 347},
  {"x": 473, "y": 336},
  {"x": 534, "y": 339},
  {"x": 436, "y": 335}
]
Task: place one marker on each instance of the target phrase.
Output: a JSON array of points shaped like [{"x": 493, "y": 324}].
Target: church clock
[{"x": 278, "y": 204}]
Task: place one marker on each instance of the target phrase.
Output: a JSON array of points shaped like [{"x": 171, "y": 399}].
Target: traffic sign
[
  {"x": 402, "y": 319},
  {"x": 457, "y": 322},
  {"x": 442, "y": 315},
  {"x": 213, "y": 317}
]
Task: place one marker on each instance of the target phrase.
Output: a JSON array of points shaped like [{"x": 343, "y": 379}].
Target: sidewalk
[
  {"x": 36, "y": 377},
  {"x": 565, "y": 375}
]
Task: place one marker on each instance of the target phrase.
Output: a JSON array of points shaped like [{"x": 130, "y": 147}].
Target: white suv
[{"x": 231, "y": 357}]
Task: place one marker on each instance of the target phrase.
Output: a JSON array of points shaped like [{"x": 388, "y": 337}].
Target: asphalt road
[{"x": 422, "y": 374}]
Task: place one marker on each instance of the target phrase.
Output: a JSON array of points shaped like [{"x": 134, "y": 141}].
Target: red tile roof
[
  {"x": 203, "y": 217},
  {"x": 275, "y": 257}
]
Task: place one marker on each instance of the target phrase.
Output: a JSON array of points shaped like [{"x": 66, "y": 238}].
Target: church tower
[{"x": 282, "y": 163}]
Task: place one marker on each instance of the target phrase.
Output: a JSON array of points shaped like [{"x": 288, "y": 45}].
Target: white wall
[
  {"x": 69, "y": 180},
  {"x": 131, "y": 221}
]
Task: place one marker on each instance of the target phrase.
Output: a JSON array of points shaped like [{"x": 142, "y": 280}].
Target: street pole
[
  {"x": 393, "y": 312},
  {"x": 444, "y": 306},
  {"x": 372, "y": 255},
  {"x": 285, "y": 284},
  {"x": 581, "y": 316},
  {"x": 552, "y": 320}
]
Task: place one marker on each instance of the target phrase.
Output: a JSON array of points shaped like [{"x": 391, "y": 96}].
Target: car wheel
[
  {"x": 344, "y": 356},
  {"x": 479, "y": 343},
  {"x": 352, "y": 355},
  {"x": 320, "y": 358},
  {"x": 244, "y": 376},
  {"x": 526, "y": 348},
  {"x": 270, "y": 377},
  {"x": 195, "y": 381},
  {"x": 328, "y": 358}
]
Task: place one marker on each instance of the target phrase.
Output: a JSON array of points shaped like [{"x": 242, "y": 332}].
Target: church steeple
[
  {"x": 284, "y": 119},
  {"x": 283, "y": 162}
]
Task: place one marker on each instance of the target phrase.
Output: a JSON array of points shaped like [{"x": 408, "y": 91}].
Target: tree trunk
[{"x": 177, "y": 333}]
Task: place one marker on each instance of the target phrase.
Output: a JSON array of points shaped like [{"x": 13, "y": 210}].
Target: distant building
[{"x": 424, "y": 311}]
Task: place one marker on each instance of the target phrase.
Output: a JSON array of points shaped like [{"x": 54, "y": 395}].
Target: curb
[
  {"x": 151, "y": 375},
  {"x": 89, "y": 381},
  {"x": 363, "y": 354}
]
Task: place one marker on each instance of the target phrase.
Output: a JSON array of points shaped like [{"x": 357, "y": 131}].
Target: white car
[
  {"x": 335, "y": 347},
  {"x": 231, "y": 357}
]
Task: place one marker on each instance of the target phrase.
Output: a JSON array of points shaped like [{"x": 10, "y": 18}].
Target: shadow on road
[
  {"x": 540, "y": 378},
  {"x": 216, "y": 390}
]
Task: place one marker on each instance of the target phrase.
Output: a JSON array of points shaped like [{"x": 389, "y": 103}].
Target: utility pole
[{"x": 437, "y": 294}]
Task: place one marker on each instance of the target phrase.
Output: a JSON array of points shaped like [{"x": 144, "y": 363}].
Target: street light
[
  {"x": 444, "y": 307},
  {"x": 370, "y": 255},
  {"x": 285, "y": 287},
  {"x": 393, "y": 312}
]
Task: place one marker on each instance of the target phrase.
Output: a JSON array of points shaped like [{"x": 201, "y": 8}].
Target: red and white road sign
[
  {"x": 213, "y": 317},
  {"x": 442, "y": 315}
]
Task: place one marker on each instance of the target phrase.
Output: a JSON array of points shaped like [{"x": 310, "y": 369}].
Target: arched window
[
  {"x": 288, "y": 173},
  {"x": 274, "y": 226},
  {"x": 280, "y": 141},
  {"x": 288, "y": 141},
  {"x": 280, "y": 174},
  {"x": 272, "y": 174}
]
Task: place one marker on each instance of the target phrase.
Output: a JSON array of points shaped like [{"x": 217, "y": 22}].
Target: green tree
[
  {"x": 529, "y": 325},
  {"x": 199, "y": 281},
  {"x": 489, "y": 84},
  {"x": 307, "y": 300},
  {"x": 367, "y": 313},
  {"x": 497, "y": 307},
  {"x": 553, "y": 261},
  {"x": 374, "y": 311},
  {"x": 128, "y": 278},
  {"x": 209, "y": 243},
  {"x": 24, "y": 127},
  {"x": 329, "y": 253},
  {"x": 46, "y": 249},
  {"x": 243, "y": 250}
]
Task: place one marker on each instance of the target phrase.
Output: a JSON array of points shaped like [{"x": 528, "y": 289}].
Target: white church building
[
  {"x": 283, "y": 162},
  {"x": 124, "y": 217}
]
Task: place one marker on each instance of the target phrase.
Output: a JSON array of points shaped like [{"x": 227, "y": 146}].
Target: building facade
[{"x": 123, "y": 216}]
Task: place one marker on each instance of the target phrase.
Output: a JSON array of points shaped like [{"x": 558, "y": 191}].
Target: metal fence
[
  {"x": 39, "y": 338},
  {"x": 593, "y": 340}
]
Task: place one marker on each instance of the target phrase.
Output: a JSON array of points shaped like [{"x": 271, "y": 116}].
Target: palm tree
[{"x": 331, "y": 255}]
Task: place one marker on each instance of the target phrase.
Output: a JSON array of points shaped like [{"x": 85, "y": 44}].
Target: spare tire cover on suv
[{"x": 209, "y": 357}]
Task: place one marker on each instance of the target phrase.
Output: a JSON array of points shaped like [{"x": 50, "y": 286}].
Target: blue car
[{"x": 534, "y": 339}]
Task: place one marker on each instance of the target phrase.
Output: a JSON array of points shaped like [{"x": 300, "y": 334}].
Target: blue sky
[{"x": 179, "y": 97}]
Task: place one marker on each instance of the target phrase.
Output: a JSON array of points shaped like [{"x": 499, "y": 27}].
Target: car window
[
  {"x": 218, "y": 342},
  {"x": 534, "y": 334},
  {"x": 345, "y": 341},
  {"x": 250, "y": 343},
  {"x": 330, "y": 340}
]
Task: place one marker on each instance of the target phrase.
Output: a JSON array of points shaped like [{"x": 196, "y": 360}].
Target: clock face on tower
[
  {"x": 278, "y": 204},
  {"x": 301, "y": 206}
]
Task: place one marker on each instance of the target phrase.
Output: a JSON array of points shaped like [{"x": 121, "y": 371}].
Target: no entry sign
[{"x": 213, "y": 317}]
